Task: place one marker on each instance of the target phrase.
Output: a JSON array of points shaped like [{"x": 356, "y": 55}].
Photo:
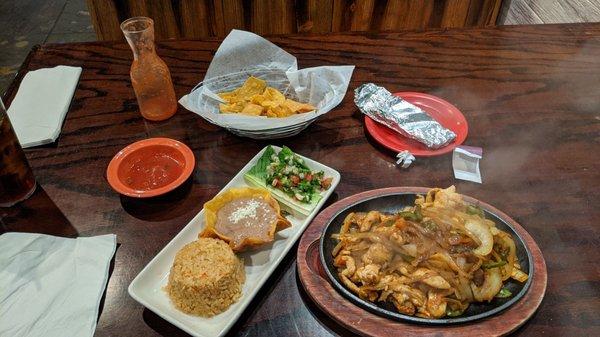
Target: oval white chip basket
[{"x": 244, "y": 54}]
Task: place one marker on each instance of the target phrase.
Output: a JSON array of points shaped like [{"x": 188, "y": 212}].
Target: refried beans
[{"x": 246, "y": 217}]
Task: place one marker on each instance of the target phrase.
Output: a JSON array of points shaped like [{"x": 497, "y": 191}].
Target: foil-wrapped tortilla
[{"x": 401, "y": 116}]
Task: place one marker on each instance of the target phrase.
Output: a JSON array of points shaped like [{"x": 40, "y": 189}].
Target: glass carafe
[{"x": 150, "y": 76}]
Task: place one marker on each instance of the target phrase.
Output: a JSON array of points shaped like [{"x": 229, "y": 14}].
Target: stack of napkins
[
  {"x": 41, "y": 104},
  {"x": 52, "y": 286}
]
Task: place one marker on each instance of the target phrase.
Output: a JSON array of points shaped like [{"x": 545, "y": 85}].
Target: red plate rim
[{"x": 373, "y": 126}]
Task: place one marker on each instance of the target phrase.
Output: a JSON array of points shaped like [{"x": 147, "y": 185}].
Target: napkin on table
[
  {"x": 52, "y": 286},
  {"x": 41, "y": 104}
]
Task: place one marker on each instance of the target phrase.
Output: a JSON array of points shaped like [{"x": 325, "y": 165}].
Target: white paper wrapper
[
  {"x": 243, "y": 54},
  {"x": 465, "y": 162}
]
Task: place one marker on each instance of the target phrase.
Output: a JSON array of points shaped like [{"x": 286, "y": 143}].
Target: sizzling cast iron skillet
[{"x": 395, "y": 202}]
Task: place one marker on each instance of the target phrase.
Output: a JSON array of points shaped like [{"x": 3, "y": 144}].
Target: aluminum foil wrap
[{"x": 401, "y": 116}]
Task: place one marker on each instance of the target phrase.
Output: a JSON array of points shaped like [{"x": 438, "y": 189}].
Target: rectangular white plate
[{"x": 147, "y": 287}]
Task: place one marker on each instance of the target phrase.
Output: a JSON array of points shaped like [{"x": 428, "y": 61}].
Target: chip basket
[
  {"x": 273, "y": 133},
  {"x": 250, "y": 126}
]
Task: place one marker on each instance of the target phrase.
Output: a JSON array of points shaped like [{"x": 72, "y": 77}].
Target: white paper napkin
[
  {"x": 41, "y": 104},
  {"x": 52, "y": 286}
]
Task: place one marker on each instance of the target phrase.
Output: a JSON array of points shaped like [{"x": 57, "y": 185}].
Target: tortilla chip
[
  {"x": 231, "y": 108},
  {"x": 270, "y": 113},
  {"x": 274, "y": 95},
  {"x": 298, "y": 107},
  {"x": 269, "y": 104},
  {"x": 252, "y": 109},
  {"x": 282, "y": 111},
  {"x": 257, "y": 99},
  {"x": 252, "y": 86}
]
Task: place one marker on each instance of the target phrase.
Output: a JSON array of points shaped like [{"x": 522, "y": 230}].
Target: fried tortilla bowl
[
  {"x": 252, "y": 223},
  {"x": 438, "y": 259}
]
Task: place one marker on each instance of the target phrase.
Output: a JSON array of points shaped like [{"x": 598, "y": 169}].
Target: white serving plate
[{"x": 147, "y": 287}]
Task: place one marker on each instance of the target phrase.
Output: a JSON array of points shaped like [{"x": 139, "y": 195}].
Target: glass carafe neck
[{"x": 139, "y": 33}]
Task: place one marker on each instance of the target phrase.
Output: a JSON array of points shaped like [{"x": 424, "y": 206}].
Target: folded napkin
[
  {"x": 52, "y": 286},
  {"x": 41, "y": 104}
]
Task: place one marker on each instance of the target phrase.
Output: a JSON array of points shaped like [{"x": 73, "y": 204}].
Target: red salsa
[{"x": 151, "y": 168}]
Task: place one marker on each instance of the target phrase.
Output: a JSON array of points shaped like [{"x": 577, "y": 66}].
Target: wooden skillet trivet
[{"x": 360, "y": 321}]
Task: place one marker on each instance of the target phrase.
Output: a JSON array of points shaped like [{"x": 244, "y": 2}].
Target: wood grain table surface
[{"x": 531, "y": 95}]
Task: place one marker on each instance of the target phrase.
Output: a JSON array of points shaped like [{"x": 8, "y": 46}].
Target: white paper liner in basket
[{"x": 243, "y": 54}]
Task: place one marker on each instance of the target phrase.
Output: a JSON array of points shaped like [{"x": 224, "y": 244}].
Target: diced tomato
[
  {"x": 295, "y": 180},
  {"x": 308, "y": 177},
  {"x": 326, "y": 183}
]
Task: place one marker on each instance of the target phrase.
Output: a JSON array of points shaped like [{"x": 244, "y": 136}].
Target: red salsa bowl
[{"x": 150, "y": 167}]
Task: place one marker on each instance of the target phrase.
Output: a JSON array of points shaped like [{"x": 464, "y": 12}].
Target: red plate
[{"x": 443, "y": 112}]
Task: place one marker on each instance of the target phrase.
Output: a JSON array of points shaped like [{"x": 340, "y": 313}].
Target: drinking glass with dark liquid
[{"x": 17, "y": 182}]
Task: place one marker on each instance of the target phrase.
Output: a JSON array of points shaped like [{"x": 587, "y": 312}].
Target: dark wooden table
[{"x": 531, "y": 95}]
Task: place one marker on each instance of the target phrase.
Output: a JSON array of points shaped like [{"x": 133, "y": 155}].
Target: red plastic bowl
[
  {"x": 445, "y": 113},
  {"x": 150, "y": 167}
]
